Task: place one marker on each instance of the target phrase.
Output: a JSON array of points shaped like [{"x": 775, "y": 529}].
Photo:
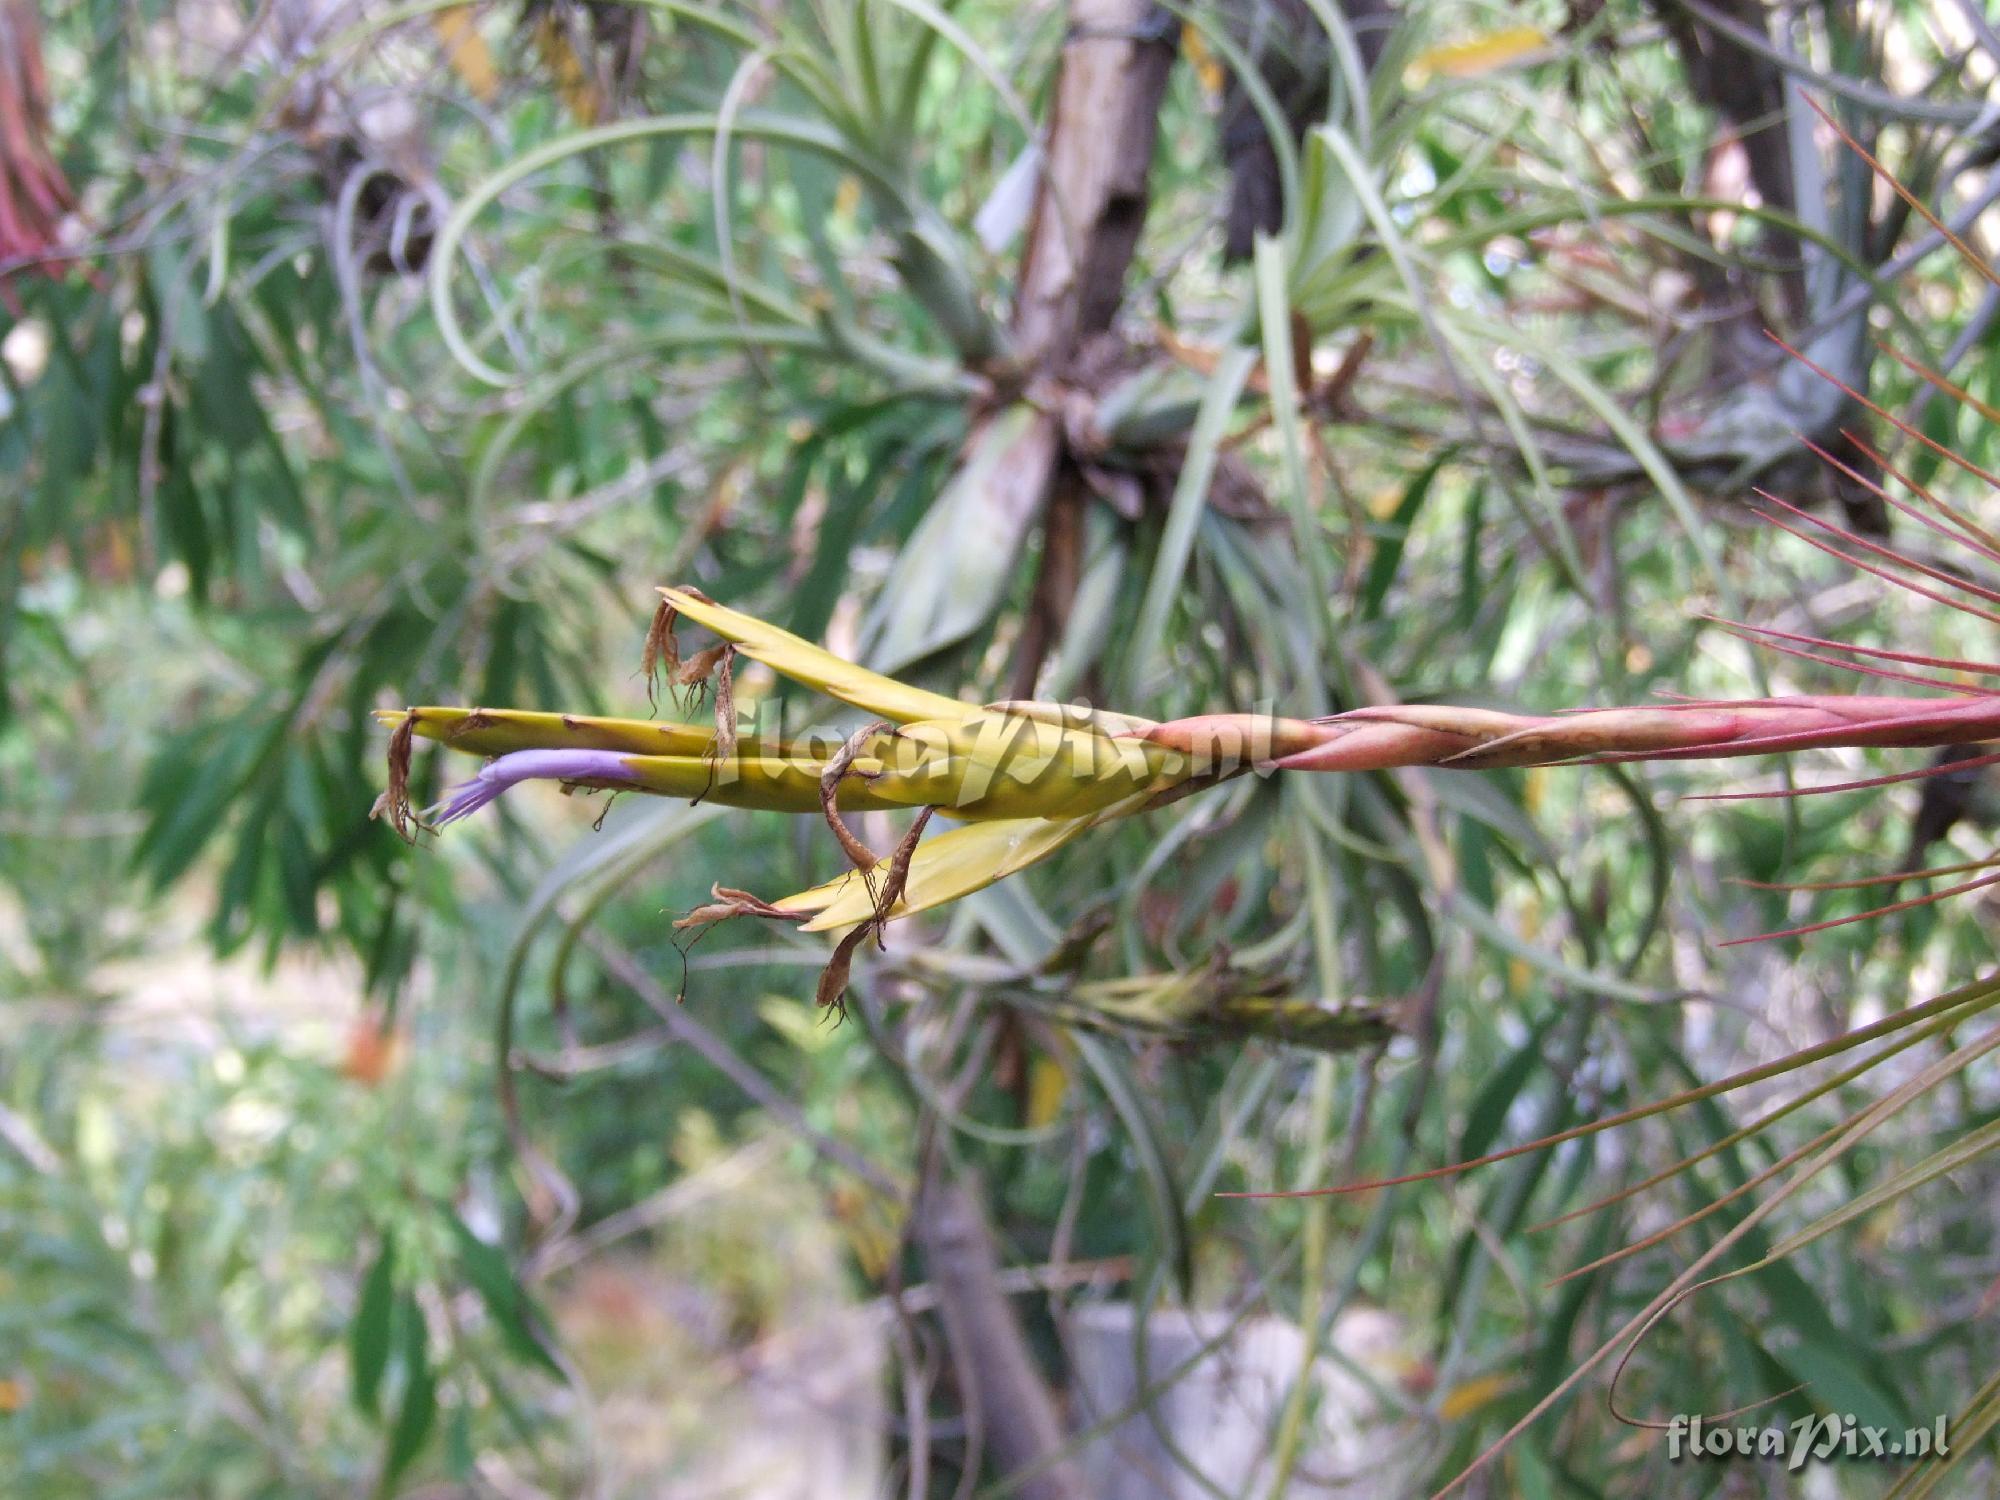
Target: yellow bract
[
  {"x": 502, "y": 731},
  {"x": 814, "y": 666},
  {"x": 943, "y": 869}
]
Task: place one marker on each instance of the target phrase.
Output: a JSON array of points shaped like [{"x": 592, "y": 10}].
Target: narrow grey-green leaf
[{"x": 368, "y": 1333}]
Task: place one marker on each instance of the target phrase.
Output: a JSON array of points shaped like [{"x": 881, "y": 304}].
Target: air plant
[{"x": 1024, "y": 778}]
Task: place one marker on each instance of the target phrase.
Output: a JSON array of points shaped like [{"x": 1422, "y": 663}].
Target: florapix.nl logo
[{"x": 1825, "y": 1438}]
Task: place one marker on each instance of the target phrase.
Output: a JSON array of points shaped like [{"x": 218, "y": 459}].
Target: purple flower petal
[{"x": 527, "y": 765}]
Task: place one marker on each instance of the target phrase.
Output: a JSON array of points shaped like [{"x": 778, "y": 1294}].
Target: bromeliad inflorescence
[{"x": 1025, "y": 778}]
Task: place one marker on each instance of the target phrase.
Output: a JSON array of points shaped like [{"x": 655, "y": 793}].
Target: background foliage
[{"x": 404, "y": 350}]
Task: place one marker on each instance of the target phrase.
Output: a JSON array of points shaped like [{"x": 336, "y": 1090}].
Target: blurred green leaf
[
  {"x": 368, "y": 1332},
  {"x": 486, "y": 1267},
  {"x": 416, "y": 1412}
]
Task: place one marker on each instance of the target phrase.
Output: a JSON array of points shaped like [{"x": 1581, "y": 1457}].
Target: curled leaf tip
[
  {"x": 725, "y": 704},
  {"x": 730, "y": 902},
  {"x": 394, "y": 804},
  {"x": 858, "y": 854},
  {"x": 697, "y": 669},
  {"x": 833, "y": 978},
  {"x": 662, "y": 654}
]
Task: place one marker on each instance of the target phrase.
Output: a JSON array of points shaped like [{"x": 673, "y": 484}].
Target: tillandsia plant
[{"x": 1026, "y": 777}]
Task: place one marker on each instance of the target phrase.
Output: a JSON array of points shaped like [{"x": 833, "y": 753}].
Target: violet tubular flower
[{"x": 502, "y": 772}]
